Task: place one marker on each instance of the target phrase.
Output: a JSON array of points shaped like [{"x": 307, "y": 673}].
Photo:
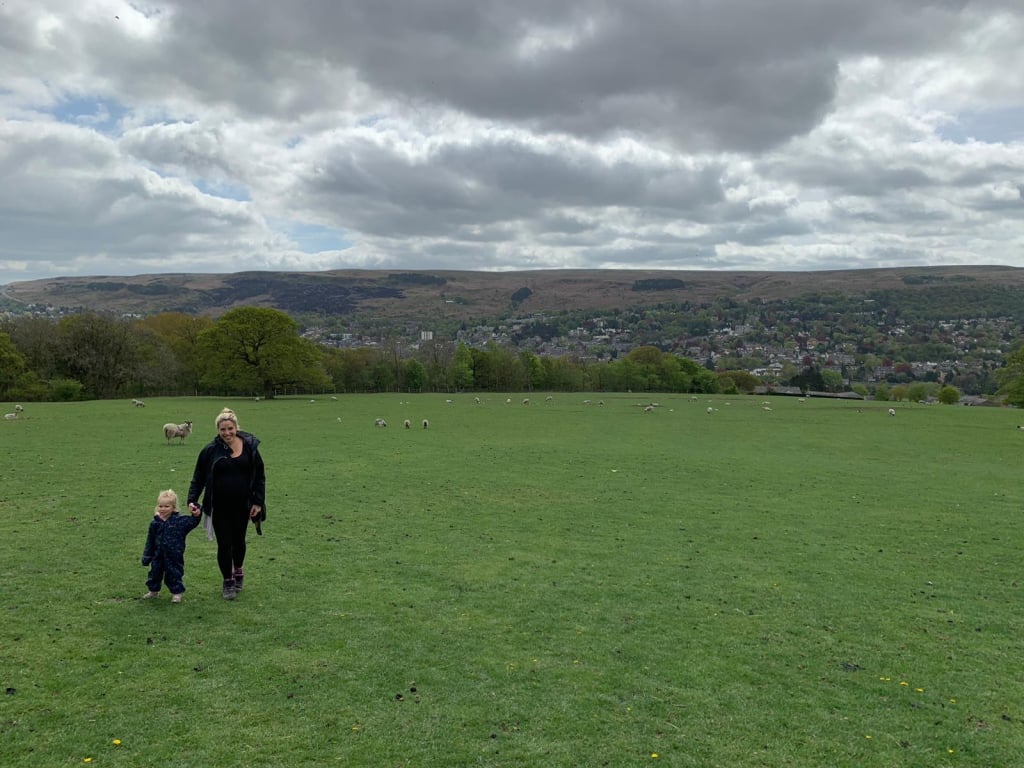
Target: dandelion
[
  {"x": 919, "y": 690},
  {"x": 654, "y": 755},
  {"x": 951, "y": 750},
  {"x": 952, "y": 701},
  {"x": 867, "y": 736},
  {"x": 116, "y": 742},
  {"x": 904, "y": 682},
  {"x": 87, "y": 760}
]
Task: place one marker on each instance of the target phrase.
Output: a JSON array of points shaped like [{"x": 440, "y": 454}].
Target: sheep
[
  {"x": 710, "y": 409},
  {"x": 548, "y": 399},
  {"x": 180, "y": 431},
  {"x": 892, "y": 411},
  {"x": 18, "y": 409},
  {"x": 139, "y": 404},
  {"x": 426, "y": 423},
  {"x": 526, "y": 401},
  {"x": 11, "y": 416},
  {"x": 649, "y": 409},
  {"x": 407, "y": 424},
  {"x": 380, "y": 423}
]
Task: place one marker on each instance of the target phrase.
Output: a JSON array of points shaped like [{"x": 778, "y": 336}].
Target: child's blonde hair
[
  {"x": 226, "y": 415},
  {"x": 167, "y": 495}
]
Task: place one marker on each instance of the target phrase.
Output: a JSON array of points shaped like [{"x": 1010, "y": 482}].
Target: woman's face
[{"x": 227, "y": 430}]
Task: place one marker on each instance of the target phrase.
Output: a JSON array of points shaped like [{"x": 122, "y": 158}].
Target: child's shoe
[
  {"x": 228, "y": 592},
  {"x": 176, "y": 598},
  {"x": 150, "y": 595}
]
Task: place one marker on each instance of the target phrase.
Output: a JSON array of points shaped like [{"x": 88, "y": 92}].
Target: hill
[{"x": 463, "y": 296}]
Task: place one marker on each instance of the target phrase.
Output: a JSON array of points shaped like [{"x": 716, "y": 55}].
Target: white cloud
[{"x": 477, "y": 134}]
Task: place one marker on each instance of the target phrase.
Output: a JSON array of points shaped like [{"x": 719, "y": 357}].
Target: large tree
[{"x": 254, "y": 350}]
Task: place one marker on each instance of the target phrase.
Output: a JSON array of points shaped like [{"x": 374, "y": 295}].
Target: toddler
[{"x": 165, "y": 546}]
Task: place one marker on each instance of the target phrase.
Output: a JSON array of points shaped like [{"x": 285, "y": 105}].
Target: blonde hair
[
  {"x": 226, "y": 415},
  {"x": 167, "y": 495}
]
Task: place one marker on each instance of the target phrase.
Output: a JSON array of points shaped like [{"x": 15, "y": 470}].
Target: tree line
[{"x": 261, "y": 352}]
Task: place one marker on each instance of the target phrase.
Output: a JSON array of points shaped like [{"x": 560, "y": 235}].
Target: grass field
[{"x": 559, "y": 584}]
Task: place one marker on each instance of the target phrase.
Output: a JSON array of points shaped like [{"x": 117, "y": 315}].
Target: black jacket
[{"x": 202, "y": 477}]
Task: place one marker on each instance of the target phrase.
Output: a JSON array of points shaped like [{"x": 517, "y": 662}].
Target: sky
[{"x": 223, "y": 136}]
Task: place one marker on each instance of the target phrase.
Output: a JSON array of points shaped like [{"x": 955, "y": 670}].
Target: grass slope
[{"x": 557, "y": 584}]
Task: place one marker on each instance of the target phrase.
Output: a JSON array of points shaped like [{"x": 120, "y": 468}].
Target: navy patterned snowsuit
[{"x": 165, "y": 551}]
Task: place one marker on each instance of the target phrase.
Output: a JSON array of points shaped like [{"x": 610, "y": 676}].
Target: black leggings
[{"x": 230, "y": 527}]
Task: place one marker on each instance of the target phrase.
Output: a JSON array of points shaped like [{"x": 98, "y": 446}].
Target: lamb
[
  {"x": 526, "y": 401},
  {"x": 11, "y": 416},
  {"x": 180, "y": 431},
  {"x": 892, "y": 411},
  {"x": 138, "y": 404},
  {"x": 380, "y": 423},
  {"x": 407, "y": 424},
  {"x": 426, "y": 423},
  {"x": 18, "y": 409}
]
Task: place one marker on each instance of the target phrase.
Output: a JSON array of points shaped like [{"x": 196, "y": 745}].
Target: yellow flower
[
  {"x": 867, "y": 736},
  {"x": 919, "y": 690},
  {"x": 117, "y": 742},
  {"x": 904, "y": 682},
  {"x": 87, "y": 760},
  {"x": 654, "y": 755}
]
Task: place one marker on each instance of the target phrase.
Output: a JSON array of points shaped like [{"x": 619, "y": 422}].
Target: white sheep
[
  {"x": 18, "y": 409},
  {"x": 380, "y": 423},
  {"x": 139, "y": 404},
  {"x": 426, "y": 423},
  {"x": 526, "y": 401},
  {"x": 710, "y": 409},
  {"x": 181, "y": 431},
  {"x": 649, "y": 409},
  {"x": 407, "y": 424},
  {"x": 10, "y": 416},
  {"x": 892, "y": 411}
]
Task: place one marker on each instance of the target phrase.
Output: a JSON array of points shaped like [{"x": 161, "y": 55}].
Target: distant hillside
[{"x": 456, "y": 296}]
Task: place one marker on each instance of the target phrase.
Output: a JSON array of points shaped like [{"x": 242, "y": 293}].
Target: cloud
[{"x": 476, "y": 134}]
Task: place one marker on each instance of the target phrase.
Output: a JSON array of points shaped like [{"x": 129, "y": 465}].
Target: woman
[{"x": 230, "y": 478}]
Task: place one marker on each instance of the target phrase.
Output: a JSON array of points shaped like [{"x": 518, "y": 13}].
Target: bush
[{"x": 65, "y": 390}]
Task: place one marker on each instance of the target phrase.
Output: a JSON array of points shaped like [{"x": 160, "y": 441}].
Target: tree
[
  {"x": 949, "y": 395},
  {"x": 414, "y": 376},
  {"x": 12, "y": 364},
  {"x": 258, "y": 350},
  {"x": 101, "y": 352},
  {"x": 181, "y": 332},
  {"x": 1011, "y": 378}
]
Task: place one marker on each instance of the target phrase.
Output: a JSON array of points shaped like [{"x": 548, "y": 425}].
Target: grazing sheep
[
  {"x": 649, "y": 409},
  {"x": 181, "y": 431},
  {"x": 548, "y": 399},
  {"x": 407, "y": 424},
  {"x": 710, "y": 409},
  {"x": 380, "y": 423},
  {"x": 18, "y": 409},
  {"x": 138, "y": 404},
  {"x": 892, "y": 411},
  {"x": 476, "y": 400},
  {"x": 426, "y": 423},
  {"x": 586, "y": 402},
  {"x": 10, "y": 416},
  {"x": 526, "y": 401}
]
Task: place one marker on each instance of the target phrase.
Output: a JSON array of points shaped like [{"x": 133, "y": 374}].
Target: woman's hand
[{"x": 255, "y": 511}]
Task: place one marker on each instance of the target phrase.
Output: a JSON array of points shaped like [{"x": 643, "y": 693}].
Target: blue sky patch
[
  {"x": 313, "y": 238},
  {"x": 101, "y": 114}
]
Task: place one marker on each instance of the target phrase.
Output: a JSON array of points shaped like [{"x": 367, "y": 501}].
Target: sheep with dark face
[{"x": 180, "y": 431}]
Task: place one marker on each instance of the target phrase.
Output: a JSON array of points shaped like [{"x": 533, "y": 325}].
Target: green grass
[{"x": 554, "y": 585}]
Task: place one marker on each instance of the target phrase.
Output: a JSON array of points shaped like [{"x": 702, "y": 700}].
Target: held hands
[
  {"x": 195, "y": 509},
  {"x": 255, "y": 511}
]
